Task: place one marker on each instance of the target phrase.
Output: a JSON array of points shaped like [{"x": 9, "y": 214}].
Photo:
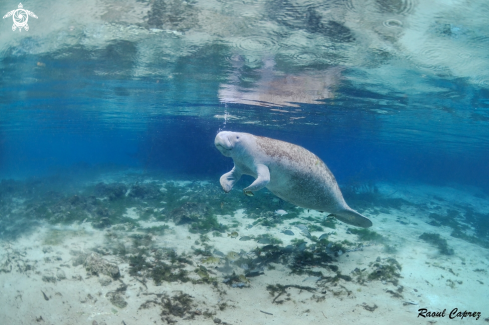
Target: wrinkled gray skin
[{"x": 291, "y": 172}]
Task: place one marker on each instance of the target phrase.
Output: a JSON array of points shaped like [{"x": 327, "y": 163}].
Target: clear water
[{"x": 392, "y": 94}]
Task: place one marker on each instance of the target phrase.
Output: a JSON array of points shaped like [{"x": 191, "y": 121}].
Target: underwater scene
[{"x": 244, "y": 162}]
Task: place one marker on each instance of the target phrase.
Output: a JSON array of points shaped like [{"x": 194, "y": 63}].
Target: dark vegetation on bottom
[{"x": 196, "y": 206}]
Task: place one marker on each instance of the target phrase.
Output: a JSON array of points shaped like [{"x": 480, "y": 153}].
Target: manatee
[{"x": 289, "y": 171}]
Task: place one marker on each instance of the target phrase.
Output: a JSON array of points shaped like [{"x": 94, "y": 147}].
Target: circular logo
[{"x": 20, "y": 17}]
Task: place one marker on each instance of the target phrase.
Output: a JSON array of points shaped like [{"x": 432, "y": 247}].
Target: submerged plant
[
  {"x": 366, "y": 234},
  {"x": 437, "y": 241},
  {"x": 168, "y": 273},
  {"x": 207, "y": 224},
  {"x": 386, "y": 270},
  {"x": 329, "y": 223},
  {"x": 178, "y": 305}
]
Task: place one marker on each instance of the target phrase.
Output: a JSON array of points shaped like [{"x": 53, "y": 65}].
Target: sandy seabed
[{"x": 52, "y": 282}]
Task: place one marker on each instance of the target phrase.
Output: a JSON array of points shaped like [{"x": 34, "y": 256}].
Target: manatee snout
[{"x": 223, "y": 143}]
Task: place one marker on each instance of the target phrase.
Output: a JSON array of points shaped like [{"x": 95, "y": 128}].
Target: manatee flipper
[
  {"x": 353, "y": 218},
  {"x": 261, "y": 180},
  {"x": 229, "y": 179}
]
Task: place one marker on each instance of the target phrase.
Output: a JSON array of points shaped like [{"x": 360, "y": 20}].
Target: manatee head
[{"x": 228, "y": 143}]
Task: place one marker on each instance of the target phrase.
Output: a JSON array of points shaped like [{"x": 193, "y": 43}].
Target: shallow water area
[
  {"x": 239, "y": 264},
  {"x": 112, "y": 209}
]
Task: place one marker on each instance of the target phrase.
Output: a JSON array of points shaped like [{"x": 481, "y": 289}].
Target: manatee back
[
  {"x": 299, "y": 176},
  {"x": 294, "y": 158}
]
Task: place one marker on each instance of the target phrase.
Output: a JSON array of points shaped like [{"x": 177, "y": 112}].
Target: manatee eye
[{"x": 237, "y": 137}]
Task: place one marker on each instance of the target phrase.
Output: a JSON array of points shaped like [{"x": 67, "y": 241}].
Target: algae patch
[
  {"x": 437, "y": 241},
  {"x": 366, "y": 234}
]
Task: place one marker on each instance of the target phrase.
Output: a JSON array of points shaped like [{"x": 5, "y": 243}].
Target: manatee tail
[{"x": 353, "y": 218}]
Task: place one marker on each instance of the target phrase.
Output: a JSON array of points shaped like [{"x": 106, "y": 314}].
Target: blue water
[
  {"x": 393, "y": 95},
  {"x": 40, "y": 135},
  {"x": 79, "y": 105}
]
